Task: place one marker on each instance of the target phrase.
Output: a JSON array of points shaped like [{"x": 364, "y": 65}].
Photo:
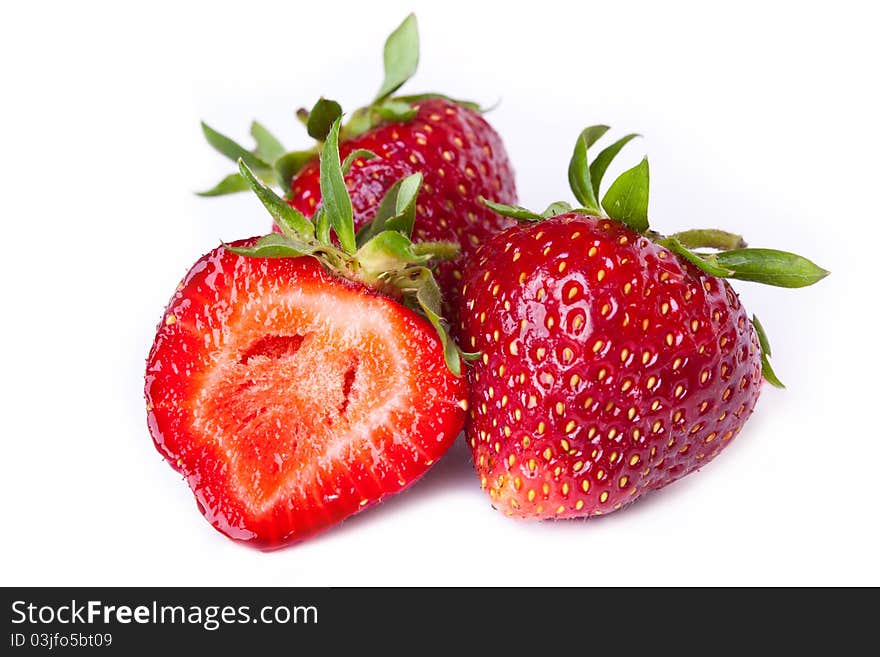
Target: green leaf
[
  {"x": 394, "y": 110},
  {"x": 707, "y": 264},
  {"x": 225, "y": 146},
  {"x": 384, "y": 212},
  {"x": 291, "y": 222},
  {"x": 429, "y": 300},
  {"x": 272, "y": 246},
  {"x": 710, "y": 238},
  {"x": 351, "y": 157},
  {"x": 604, "y": 158},
  {"x": 579, "y": 171},
  {"x": 229, "y": 185},
  {"x": 322, "y": 116},
  {"x": 269, "y": 148},
  {"x": 766, "y": 369},
  {"x": 762, "y": 336},
  {"x": 559, "y": 207},
  {"x": 771, "y": 267},
  {"x": 335, "y": 199},
  {"x": 405, "y": 205},
  {"x": 401, "y": 57},
  {"x": 592, "y": 134},
  {"x": 417, "y": 98},
  {"x": 396, "y": 211},
  {"x": 278, "y": 239},
  {"x": 512, "y": 211},
  {"x": 626, "y": 200},
  {"x": 322, "y": 226},
  {"x": 388, "y": 251},
  {"x": 768, "y": 373},
  {"x": 290, "y": 164}
]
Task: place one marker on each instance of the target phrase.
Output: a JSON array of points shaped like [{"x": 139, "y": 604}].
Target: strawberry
[
  {"x": 459, "y": 154},
  {"x": 614, "y": 360},
  {"x": 461, "y": 159},
  {"x": 292, "y": 381}
]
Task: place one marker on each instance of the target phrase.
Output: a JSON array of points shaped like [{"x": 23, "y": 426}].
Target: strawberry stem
[
  {"x": 710, "y": 238},
  {"x": 437, "y": 250}
]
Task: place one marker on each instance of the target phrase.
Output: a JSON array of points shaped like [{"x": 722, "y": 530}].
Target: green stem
[
  {"x": 710, "y": 238},
  {"x": 707, "y": 263},
  {"x": 437, "y": 250}
]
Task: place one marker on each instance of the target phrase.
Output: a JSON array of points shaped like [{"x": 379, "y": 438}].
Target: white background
[{"x": 759, "y": 118}]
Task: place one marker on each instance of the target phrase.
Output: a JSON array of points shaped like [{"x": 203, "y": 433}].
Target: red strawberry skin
[
  {"x": 461, "y": 158},
  {"x": 610, "y": 367},
  {"x": 290, "y": 399}
]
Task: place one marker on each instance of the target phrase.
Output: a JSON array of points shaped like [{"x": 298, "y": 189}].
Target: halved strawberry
[{"x": 290, "y": 391}]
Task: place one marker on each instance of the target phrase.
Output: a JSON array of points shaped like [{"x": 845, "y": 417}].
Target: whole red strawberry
[
  {"x": 292, "y": 381},
  {"x": 614, "y": 360},
  {"x": 458, "y": 153},
  {"x": 461, "y": 158}
]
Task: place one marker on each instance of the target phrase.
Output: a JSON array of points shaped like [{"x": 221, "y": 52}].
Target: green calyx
[
  {"x": 766, "y": 369},
  {"x": 716, "y": 252},
  {"x": 380, "y": 255},
  {"x": 275, "y": 165}
]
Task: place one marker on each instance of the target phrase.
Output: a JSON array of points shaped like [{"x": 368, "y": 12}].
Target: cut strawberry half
[
  {"x": 293, "y": 380},
  {"x": 291, "y": 399}
]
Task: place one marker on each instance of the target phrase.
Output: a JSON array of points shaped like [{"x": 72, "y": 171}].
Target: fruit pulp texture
[{"x": 282, "y": 402}]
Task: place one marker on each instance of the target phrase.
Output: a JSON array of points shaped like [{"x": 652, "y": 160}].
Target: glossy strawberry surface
[
  {"x": 609, "y": 367},
  {"x": 290, "y": 399},
  {"x": 461, "y": 158}
]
